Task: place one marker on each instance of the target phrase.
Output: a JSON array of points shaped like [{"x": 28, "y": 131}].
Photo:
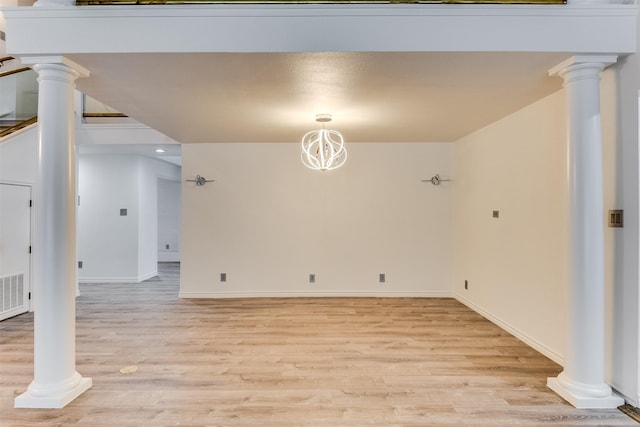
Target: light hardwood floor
[{"x": 299, "y": 361}]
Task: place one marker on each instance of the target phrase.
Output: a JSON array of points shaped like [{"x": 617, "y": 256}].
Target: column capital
[
  {"x": 57, "y": 61},
  {"x": 583, "y": 61}
]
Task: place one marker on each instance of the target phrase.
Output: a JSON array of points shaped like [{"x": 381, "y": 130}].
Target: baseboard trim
[
  {"x": 168, "y": 256},
  {"x": 531, "y": 342},
  {"x": 627, "y": 398},
  {"x": 127, "y": 279},
  {"x": 122, "y": 279},
  {"x": 329, "y": 294},
  {"x": 147, "y": 276}
]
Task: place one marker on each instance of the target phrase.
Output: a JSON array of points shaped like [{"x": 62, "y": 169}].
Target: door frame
[{"x": 28, "y": 287}]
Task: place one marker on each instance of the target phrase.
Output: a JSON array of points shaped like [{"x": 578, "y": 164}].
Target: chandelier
[{"x": 323, "y": 149}]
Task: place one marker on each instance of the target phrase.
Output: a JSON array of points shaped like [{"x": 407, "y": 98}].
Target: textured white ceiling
[{"x": 273, "y": 97}]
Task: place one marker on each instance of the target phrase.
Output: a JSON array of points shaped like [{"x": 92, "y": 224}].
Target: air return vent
[{"x": 11, "y": 292}]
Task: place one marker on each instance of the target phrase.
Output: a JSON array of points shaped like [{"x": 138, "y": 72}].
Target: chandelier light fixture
[{"x": 323, "y": 149}]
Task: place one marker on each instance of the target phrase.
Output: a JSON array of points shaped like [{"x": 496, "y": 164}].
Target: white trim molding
[
  {"x": 119, "y": 279},
  {"x": 522, "y": 336},
  {"x": 574, "y": 28},
  {"x": 289, "y": 294}
]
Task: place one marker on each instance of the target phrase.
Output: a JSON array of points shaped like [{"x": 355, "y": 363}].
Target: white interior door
[{"x": 15, "y": 241}]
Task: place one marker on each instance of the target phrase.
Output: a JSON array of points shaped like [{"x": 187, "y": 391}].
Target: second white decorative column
[
  {"x": 56, "y": 381},
  {"x": 582, "y": 382}
]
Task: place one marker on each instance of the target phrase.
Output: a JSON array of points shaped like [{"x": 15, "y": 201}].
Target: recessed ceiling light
[{"x": 159, "y": 150}]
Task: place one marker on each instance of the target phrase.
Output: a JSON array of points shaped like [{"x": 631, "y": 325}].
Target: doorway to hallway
[{"x": 169, "y": 213}]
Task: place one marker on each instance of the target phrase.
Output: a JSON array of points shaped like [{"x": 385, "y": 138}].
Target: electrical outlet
[
  {"x": 312, "y": 278},
  {"x": 382, "y": 278},
  {"x": 616, "y": 218},
  {"x": 166, "y": 246},
  {"x": 223, "y": 277},
  {"x": 79, "y": 264},
  {"x": 495, "y": 214},
  {"x": 466, "y": 284}
]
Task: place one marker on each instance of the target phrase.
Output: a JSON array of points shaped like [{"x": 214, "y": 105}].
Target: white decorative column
[
  {"x": 582, "y": 382},
  {"x": 56, "y": 381}
]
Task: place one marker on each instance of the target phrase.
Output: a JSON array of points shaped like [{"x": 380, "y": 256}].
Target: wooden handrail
[
  {"x": 23, "y": 124},
  {"x": 104, "y": 115},
  {"x": 16, "y": 71}
]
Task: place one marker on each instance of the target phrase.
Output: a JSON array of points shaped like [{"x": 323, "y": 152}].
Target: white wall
[
  {"x": 115, "y": 248},
  {"x": 147, "y": 218},
  {"x": 3, "y": 43},
  {"x": 620, "y": 86},
  {"x": 19, "y": 157},
  {"x": 515, "y": 264},
  {"x": 268, "y": 222},
  {"x": 107, "y": 241},
  {"x": 8, "y": 89},
  {"x": 151, "y": 171},
  {"x": 169, "y": 213}
]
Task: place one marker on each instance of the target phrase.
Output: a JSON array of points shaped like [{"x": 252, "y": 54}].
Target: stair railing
[{"x": 18, "y": 98}]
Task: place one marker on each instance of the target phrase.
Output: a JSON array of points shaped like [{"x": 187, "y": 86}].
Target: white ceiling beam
[{"x": 323, "y": 28}]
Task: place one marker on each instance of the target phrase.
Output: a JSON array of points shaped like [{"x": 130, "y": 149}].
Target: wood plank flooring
[{"x": 298, "y": 361}]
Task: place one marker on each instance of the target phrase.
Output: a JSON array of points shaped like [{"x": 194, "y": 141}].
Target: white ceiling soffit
[
  {"x": 274, "y": 97},
  {"x": 578, "y": 27},
  {"x": 172, "y": 152},
  {"x": 236, "y": 73}
]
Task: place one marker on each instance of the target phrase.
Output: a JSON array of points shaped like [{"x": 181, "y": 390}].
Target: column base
[
  {"x": 52, "y": 398},
  {"x": 584, "y": 397}
]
